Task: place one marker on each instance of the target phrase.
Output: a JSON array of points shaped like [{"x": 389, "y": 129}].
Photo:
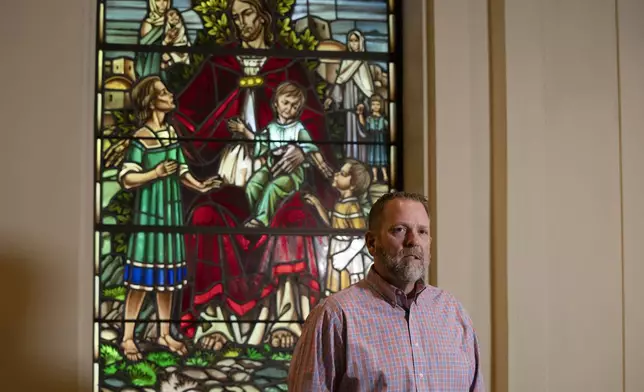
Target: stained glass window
[{"x": 239, "y": 147}]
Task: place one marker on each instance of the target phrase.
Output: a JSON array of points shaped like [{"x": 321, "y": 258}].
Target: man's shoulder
[
  {"x": 345, "y": 299},
  {"x": 446, "y": 301}
]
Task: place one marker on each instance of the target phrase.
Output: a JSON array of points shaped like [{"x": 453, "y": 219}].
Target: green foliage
[
  {"x": 116, "y": 293},
  {"x": 112, "y": 359},
  {"x": 254, "y": 354},
  {"x": 300, "y": 41},
  {"x": 124, "y": 124},
  {"x": 109, "y": 370},
  {"x": 151, "y": 370},
  {"x": 215, "y": 20},
  {"x": 232, "y": 353},
  {"x": 285, "y": 6},
  {"x": 110, "y": 354},
  {"x": 282, "y": 356},
  {"x": 201, "y": 359},
  {"x": 197, "y": 362},
  {"x": 142, "y": 374},
  {"x": 163, "y": 359},
  {"x": 120, "y": 207},
  {"x": 112, "y": 274}
]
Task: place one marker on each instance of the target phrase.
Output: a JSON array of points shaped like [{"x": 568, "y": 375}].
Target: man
[{"x": 390, "y": 331}]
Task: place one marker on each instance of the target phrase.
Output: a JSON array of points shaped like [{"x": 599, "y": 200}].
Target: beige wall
[
  {"x": 462, "y": 170},
  {"x": 46, "y": 199},
  {"x": 631, "y": 66},
  {"x": 565, "y": 261}
]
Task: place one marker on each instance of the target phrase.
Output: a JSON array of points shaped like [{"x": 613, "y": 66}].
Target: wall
[
  {"x": 631, "y": 63},
  {"x": 45, "y": 230},
  {"x": 462, "y": 161},
  {"x": 566, "y": 272}
]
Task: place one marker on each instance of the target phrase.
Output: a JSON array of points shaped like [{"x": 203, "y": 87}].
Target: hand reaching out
[
  {"x": 311, "y": 199},
  {"x": 210, "y": 184},
  {"x": 237, "y": 127},
  {"x": 322, "y": 164}
]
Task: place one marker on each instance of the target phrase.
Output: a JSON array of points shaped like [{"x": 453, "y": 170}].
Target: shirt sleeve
[
  {"x": 304, "y": 140},
  {"x": 473, "y": 351},
  {"x": 261, "y": 143},
  {"x": 477, "y": 385},
  {"x": 318, "y": 359},
  {"x": 133, "y": 160},
  {"x": 181, "y": 159}
]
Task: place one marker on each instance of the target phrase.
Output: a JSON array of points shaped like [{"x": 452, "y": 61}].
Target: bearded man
[{"x": 390, "y": 331}]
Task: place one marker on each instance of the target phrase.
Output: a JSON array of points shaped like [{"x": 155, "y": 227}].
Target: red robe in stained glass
[{"x": 233, "y": 269}]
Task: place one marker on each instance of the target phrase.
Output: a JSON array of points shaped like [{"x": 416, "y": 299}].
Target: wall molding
[{"x": 498, "y": 197}]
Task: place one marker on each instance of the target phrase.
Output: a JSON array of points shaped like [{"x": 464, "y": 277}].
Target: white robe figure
[{"x": 353, "y": 86}]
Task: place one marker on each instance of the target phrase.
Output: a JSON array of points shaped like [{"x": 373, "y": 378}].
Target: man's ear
[{"x": 370, "y": 240}]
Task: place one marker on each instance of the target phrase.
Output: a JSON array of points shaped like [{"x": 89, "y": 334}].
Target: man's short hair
[{"x": 375, "y": 215}]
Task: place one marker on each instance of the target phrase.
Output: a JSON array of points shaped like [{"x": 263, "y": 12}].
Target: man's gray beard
[{"x": 404, "y": 272}]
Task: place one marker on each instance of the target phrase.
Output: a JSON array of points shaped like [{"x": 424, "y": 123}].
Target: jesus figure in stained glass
[{"x": 276, "y": 179}]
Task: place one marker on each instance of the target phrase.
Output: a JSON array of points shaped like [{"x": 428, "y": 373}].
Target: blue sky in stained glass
[{"x": 123, "y": 19}]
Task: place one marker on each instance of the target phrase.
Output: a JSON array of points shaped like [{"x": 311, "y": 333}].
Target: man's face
[
  {"x": 401, "y": 245},
  {"x": 249, "y": 23}
]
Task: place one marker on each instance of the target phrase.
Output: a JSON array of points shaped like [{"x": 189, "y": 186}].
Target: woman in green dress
[{"x": 155, "y": 168}]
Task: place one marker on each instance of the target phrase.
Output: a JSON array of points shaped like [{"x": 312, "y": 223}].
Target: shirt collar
[{"x": 391, "y": 293}]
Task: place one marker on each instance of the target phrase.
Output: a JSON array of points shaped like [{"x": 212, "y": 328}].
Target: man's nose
[{"x": 412, "y": 238}]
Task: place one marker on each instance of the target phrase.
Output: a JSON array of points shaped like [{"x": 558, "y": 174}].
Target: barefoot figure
[{"x": 155, "y": 167}]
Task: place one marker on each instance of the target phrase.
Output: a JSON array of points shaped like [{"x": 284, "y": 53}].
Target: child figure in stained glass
[
  {"x": 375, "y": 126},
  {"x": 155, "y": 167},
  {"x": 282, "y": 149},
  {"x": 174, "y": 35},
  {"x": 348, "y": 258}
]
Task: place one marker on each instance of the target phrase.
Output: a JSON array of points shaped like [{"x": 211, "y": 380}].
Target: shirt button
[
  {"x": 421, "y": 375},
  {"x": 416, "y": 344}
]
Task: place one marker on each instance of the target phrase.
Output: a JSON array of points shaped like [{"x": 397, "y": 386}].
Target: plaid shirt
[{"x": 371, "y": 337}]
